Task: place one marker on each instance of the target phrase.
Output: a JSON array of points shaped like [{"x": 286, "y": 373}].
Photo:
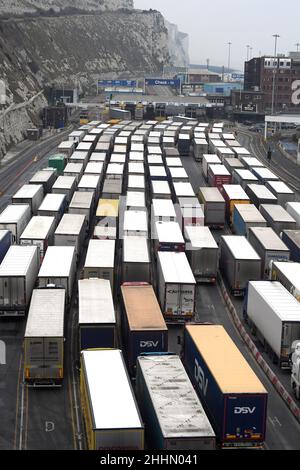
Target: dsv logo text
[
  {"x": 2, "y": 353},
  {"x": 296, "y": 92}
]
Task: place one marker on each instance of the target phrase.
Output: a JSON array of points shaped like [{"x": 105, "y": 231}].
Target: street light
[
  {"x": 275, "y": 36},
  {"x": 297, "y": 45},
  {"x": 229, "y": 51},
  {"x": 248, "y": 47},
  {"x": 251, "y": 49}
]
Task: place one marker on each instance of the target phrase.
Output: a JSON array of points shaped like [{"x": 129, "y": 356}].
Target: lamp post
[
  {"x": 297, "y": 45},
  {"x": 229, "y": 53},
  {"x": 248, "y": 47},
  {"x": 275, "y": 36}
]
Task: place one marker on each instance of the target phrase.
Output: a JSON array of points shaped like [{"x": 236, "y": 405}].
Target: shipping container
[
  {"x": 174, "y": 417},
  {"x": 283, "y": 193},
  {"x": 233, "y": 194},
  {"x": 44, "y": 338},
  {"x": 18, "y": 273},
  {"x": 53, "y": 205},
  {"x": 97, "y": 323},
  {"x": 293, "y": 208},
  {"x": 39, "y": 232},
  {"x": 83, "y": 203},
  {"x": 246, "y": 216},
  {"x": 112, "y": 419},
  {"x": 71, "y": 231},
  {"x": 239, "y": 263},
  {"x": 259, "y": 194},
  {"x": 289, "y": 276},
  {"x": 15, "y": 218},
  {"x": 268, "y": 246},
  {"x": 234, "y": 398},
  {"x": 176, "y": 286},
  {"x": 218, "y": 175},
  {"x": 214, "y": 206},
  {"x": 31, "y": 194},
  {"x": 278, "y": 218},
  {"x": 136, "y": 262},
  {"x": 275, "y": 315},
  {"x": 57, "y": 163},
  {"x": 209, "y": 159},
  {"x": 65, "y": 185},
  {"x": 44, "y": 177},
  {"x": 59, "y": 269},
  {"x": 143, "y": 325},
  {"x": 291, "y": 239},
  {"x": 202, "y": 252},
  {"x": 100, "y": 259}
]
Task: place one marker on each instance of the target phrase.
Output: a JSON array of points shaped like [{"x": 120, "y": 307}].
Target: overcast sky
[{"x": 212, "y": 24}]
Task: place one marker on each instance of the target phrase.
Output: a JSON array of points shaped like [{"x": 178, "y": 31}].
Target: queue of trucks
[{"x": 114, "y": 216}]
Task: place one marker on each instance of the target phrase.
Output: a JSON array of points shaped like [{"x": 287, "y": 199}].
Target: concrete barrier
[{"x": 257, "y": 355}]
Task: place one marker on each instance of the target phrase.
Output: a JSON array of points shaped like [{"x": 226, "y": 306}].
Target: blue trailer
[
  {"x": 234, "y": 398},
  {"x": 291, "y": 238},
  {"x": 5, "y": 243}
]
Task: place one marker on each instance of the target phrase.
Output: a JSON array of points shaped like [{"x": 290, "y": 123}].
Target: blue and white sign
[
  {"x": 116, "y": 83},
  {"x": 237, "y": 76},
  {"x": 162, "y": 82}
]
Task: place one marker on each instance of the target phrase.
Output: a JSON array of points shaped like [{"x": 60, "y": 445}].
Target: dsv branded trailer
[{"x": 233, "y": 396}]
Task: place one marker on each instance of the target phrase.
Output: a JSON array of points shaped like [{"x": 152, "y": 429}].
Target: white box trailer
[
  {"x": 275, "y": 314},
  {"x": 174, "y": 162},
  {"x": 71, "y": 231},
  {"x": 163, "y": 210},
  {"x": 155, "y": 160},
  {"x": 111, "y": 415},
  {"x": 31, "y": 194},
  {"x": 289, "y": 276},
  {"x": 243, "y": 177},
  {"x": 59, "y": 269},
  {"x": 268, "y": 246},
  {"x": 239, "y": 263},
  {"x": 100, "y": 260},
  {"x": 90, "y": 183},
  {"x": 77, "y": 136},
  {"x": 281, "y": 190},
  {"x": 136, "y": 168},
  {"x": 183, "y": 190},
  {"x": 170, "y": 407},
  {"x": 136, "y": 265},
  {"x": 246, "y": 216},
  {"x": 277, "y": 217},
  {"x": 189, "y": 212},
  {"x": 18, "y": 273},
  {"x": 14, "y": 218},
  {"x": 53, "y": 205},
  {"x": 158, "y": 172},
  {"x": 44, "y": 338},
  {"x": 135, "y": 223},
  {"x": 66, "y": 148},
  {"x": 168, "y": 237},
  {"x": 44, "y": 177},
  {"x": 83, "y": 203},
  {"x": 105, "y": 233},
  {"x": 200, "y": 148},
  {"x": 178, "y": 175},
  {"x": 94, "y": 168},
  {"x": 160, "y": 189},
  {"x": 79, "y": 157},
  {"x": 251, "y": 162},
  {"x": 136, "y": 183},
  {"x": 97, "y": 317},
  {"x": 98, "y": 157},
  {"x": 135, "y": 200},
  {"x": 293, "y": 208},
  {"x": 65, "y": 185},
  {"x": 209, "y": 159},
  {"x": 75, "y": 170},
  {"x": 202, "y": 252},
  {"x": 176, "y": 286},
  {"x": 39, "y": 232}
]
